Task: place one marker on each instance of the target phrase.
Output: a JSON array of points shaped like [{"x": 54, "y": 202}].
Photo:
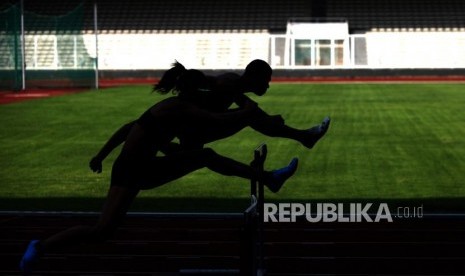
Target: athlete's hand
[{"x": 95, "y": 165}]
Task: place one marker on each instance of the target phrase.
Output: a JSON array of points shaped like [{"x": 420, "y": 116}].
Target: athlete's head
[
  {"x": 168, "y": 81},
  {"x": 257, "y": 77},
  {"x": 181, "y": 81}
]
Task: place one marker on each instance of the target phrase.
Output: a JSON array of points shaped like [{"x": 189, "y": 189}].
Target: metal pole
[
  {"x": 96, "y": 46},
  {"x": 23, "y": 50},
  {"x": 261, "y": 153}
]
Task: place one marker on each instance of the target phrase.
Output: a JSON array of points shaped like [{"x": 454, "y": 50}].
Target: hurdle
[
  {"x": 252, "y": 255},
  {"x": 252, "y": 231}
]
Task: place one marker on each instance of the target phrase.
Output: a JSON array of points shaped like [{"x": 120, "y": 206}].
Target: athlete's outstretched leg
[
  {"x": 312, "y": 135},
  {"x": 195, "y": 136},
  {"x": 274, "y": 126},
  {"x": 176, "y": 165},
  {"x": 272, "y": 179}
]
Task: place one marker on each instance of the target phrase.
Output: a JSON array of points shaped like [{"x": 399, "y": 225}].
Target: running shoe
[
  {"x": 30, "y": 257},
  {"x": 278, "y": 177}
]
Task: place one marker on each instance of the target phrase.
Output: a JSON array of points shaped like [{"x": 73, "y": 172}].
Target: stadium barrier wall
[{"x": 121, "y": 77}]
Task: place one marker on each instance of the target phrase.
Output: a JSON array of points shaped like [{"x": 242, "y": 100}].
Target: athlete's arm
[
  {"x": 115, "y": 140},
  {"x": 240, "y": 99}
]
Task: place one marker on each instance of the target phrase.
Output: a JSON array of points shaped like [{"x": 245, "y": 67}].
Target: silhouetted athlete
[
  {"x": 218, "y": 95},
  {"x": 230, "y": 88},
  {"x": 138, "y": 167}
]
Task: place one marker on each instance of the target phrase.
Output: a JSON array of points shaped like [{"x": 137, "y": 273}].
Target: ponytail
[{"x": 169, "y": 79}]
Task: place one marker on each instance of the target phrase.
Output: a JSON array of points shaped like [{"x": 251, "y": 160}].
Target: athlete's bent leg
[{"x": 116, "y": 206}]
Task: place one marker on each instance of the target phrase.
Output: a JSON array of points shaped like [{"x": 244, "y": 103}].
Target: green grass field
[{"x": 401, "y": 142}]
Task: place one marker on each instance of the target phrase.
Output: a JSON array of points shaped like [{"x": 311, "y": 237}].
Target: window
[
  {"x": 318, "y": 52},
  {"x": 323, "y": 52},
  {"x": 303, "y": 52},
  {"x": 339, "y": 52}
]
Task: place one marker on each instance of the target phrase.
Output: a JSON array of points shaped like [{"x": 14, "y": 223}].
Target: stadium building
[{"x": 299, "y": 38}]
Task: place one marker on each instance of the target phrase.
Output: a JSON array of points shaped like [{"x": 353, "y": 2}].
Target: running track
[
  {"x": 11, "y": 97},
  {"x": 169, "y": 244}
]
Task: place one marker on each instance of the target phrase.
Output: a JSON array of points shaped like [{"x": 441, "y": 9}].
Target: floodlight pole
[
  {"x": 23, "y": 51},
  {"x": 96, "y": 45}
]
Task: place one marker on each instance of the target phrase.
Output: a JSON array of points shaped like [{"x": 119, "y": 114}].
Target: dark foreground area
[{"x": 189, "y": 244}]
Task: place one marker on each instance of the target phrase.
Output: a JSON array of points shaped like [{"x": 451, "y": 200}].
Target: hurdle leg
[
  {"x": 260, "y": 154},
  {"x": 252, "y": 257}
]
